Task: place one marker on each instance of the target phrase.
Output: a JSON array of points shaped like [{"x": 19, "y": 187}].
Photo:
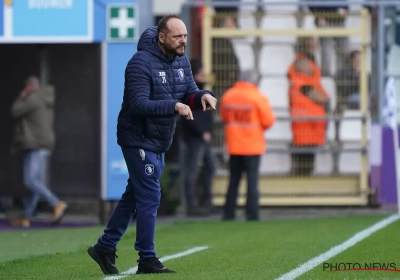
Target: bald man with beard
[{"x": 159, "y": 85}]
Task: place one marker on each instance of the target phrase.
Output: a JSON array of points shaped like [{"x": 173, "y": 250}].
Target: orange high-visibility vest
[
  {"x": 313, "y": 80},
  {"x": 246, "y": 114},
  {"x": 307, "y": 132}
]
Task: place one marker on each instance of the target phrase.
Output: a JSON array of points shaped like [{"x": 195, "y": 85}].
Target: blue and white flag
[{"x": 390, "y": 107}]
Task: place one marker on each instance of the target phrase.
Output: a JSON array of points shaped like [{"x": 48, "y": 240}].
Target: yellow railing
[{"x": 333, "y": 189}]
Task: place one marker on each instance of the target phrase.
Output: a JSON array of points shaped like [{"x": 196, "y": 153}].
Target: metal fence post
[
  {"x": 381, "y": 58},
  {"x": 185, "y": 15}
]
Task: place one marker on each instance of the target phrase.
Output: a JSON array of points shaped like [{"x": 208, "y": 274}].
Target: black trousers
[
  {"x": 196, "y": 151},
  {"x": 238, "y": 165}
]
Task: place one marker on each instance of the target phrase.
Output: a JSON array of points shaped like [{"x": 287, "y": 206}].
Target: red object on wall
[{"x": 196, "y": 16}]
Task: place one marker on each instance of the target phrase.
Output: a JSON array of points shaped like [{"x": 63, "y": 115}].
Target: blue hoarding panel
[
  {"x": 100, "y": 21},
  {"x": 1, "y": 19},
  {"x": 117, "y": 175},
  {"x": 57, "y": 18}
]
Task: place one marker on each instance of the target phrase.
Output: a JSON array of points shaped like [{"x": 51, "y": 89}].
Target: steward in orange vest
[
  {"x": 246, "y": 114},
  {"x": 307, "y": 98}
]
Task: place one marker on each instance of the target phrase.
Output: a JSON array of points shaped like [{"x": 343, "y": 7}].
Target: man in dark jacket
[
  {"x": 326, "y": 17},
  {"x": 158, "y": 86},
  {"x": 197, "y": 138},
  {"x": 348, "y": 84},
  {"x": 34, "y": 136}
]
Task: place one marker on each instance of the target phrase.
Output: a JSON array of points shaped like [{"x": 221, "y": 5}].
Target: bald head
[
  {"x": 172, "y": 35},
  {"x": 32, "y": 83},
  {"x": 164, "y": 25},
  {"x": 250, "y": 76},
  {"x": 176, "y": 25}
]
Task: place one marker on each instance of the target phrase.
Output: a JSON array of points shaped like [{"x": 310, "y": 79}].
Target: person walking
[
  {"x": 159, "y": 85},
  {"x": 34, "y": 136}
]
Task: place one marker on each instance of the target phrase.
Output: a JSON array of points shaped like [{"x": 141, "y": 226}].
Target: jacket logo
[
  {"x": 149, "y": 169},
  {"x": 163, "y": 77},
  {"x": 181, "y": 74}
]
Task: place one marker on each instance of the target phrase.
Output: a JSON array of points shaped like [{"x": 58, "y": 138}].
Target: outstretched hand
[
  {"x": 184, "y": 111},
  {"x": 208, "y": 102}
]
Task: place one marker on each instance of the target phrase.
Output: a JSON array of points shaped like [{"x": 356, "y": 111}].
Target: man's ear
[{"x": 161, "y": 37}]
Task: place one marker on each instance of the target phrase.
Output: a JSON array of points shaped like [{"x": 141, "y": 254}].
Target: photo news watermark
[{"x": 360, "y": 266}]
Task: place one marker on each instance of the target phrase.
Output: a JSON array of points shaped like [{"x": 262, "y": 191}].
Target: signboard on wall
[
  {"x": 114, "y": 170},
  {"x": 121, "y": 35},
  {"x": 46, "y": 21},
  {"x": 1, "y": 20},
  {"x": 122, "y": 23}
]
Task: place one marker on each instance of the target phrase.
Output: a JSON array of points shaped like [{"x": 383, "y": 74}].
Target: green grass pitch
[{"x": 236, "y": 250}]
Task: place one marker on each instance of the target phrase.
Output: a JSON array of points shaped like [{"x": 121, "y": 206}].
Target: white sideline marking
[
  {"x": 303, "y": 268},
  {"x": 163, "y": 259}
]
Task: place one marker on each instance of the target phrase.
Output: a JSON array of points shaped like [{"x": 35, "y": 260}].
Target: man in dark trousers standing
[
  {"x": 246, "y": 114},
  {"x": 158, "y": 86},
  {"x": 197, "y": 138}
]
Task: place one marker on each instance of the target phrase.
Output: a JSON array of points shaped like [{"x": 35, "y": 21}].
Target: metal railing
[{"x": 367, "y": 39}]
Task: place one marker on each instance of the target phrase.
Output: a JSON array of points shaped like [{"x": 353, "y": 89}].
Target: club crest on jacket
[{"x": 181, "y": 74}]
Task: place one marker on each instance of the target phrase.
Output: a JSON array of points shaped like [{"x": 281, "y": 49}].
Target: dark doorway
[{"x": 75, "y": 72}]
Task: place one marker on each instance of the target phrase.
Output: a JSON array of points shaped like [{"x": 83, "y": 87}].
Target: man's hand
[
  {"x": 318, "y": 97},
  {"x": 184, "y": 110},
  {"x": 208, "y": 102},
  {"x": 24, "y": 92},
  {"x": 207, "y": 137}
]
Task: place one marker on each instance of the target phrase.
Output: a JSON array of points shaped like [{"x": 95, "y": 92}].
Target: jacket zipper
[
  {"x": 173, "y": 79},
  {"x": 173, "y": 89}
]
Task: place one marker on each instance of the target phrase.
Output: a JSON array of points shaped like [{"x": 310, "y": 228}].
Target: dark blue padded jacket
[{"x": 154, "y": 83}]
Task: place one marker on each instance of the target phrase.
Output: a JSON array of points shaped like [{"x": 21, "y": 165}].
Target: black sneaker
[
  {"x": 105, "y": 259},
  {"x": 151, "y": 266}
]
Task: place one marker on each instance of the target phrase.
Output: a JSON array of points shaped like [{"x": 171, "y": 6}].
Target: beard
[{"x": 174, "y": 51}]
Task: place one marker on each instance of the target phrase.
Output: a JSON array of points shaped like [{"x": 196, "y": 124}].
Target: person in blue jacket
[{"x": 159, "y": 85}]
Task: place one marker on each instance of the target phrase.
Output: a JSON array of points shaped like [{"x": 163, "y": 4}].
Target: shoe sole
[
  {"x": 92, "y": 253},
  {"x": 155, "y": 272}
]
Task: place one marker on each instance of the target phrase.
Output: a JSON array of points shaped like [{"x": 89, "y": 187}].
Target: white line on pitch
[
  {"x": 303, "y": 268},
  {"x": 163, "y": 259}
]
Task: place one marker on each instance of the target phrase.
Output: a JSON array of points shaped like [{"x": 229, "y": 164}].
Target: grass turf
[
  {"x": 237, "y": 250},
  {"x": 381, "y": 248}
]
